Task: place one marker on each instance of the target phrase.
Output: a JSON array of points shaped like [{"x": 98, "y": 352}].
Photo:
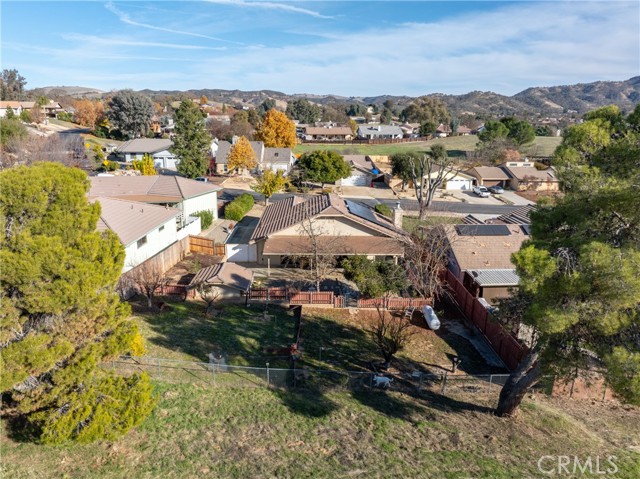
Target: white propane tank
[{"x": 430, "y": 317}]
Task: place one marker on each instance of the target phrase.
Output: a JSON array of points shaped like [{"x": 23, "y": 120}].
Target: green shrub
[
  {"x": 383, "y": 209},
  {"x": 65, "y": 116},
  {"x": 206, "y": 218},
  {"x": 375, "y": 278},
  {"x": 239, "y": 207}
]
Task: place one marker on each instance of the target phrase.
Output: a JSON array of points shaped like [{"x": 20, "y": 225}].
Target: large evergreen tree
[
  {"x": 59, "y": 312},
  {"x": 131, "y": 113},
  {"x": 192, "y": 141},
  {"x": 580, "y": 273}
]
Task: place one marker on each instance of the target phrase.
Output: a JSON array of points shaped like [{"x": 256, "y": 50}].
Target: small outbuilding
[{"x": 231, "y": 279}]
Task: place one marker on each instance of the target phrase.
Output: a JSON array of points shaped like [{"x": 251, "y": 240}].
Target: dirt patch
[{"x": 536, "y": 195}]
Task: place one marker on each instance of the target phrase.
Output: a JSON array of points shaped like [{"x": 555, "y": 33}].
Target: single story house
[
  {"x": 530, "y": 178},
  {"x": 341, "y": 228},
  {"x": 230, "y": 279},
  {"x": 523, "y": 163},
  {"x": 454, "y": 180},
  {"x": 331, "y": 133},
  {"x": 363, "y": 171},
  {"x": 15, "y": 106},
  {"x": 464, "y": 131},
  {"x": 377, "y": 132},
  {"x": 480, "y": 257},
  {"x": 410, "y": 129},
  {"x": 188, "y": 196},
  {"x": 442, "y": 131},
  {"x": 267, "y": 158},
  {"x": 489, "y": 176},
  {"x": 157, "y": 148},
  {"x": 145, "y": 230}
]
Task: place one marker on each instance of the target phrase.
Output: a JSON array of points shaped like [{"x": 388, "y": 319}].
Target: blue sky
[{"x": 358, "y": 48}]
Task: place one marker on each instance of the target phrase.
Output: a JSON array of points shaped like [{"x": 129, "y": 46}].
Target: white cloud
[
  {"x": 124, "y": 18},
  {"x": 271, "y": 6},
  {"x": 110, "y": 41}
]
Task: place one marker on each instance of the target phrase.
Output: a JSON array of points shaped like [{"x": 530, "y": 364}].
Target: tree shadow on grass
[
  {"x": 240, "y": 334},
  {"x": 309, "y": 402}
]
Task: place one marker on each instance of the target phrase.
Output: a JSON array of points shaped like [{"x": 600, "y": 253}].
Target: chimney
[{"x": 397, "y": 216}]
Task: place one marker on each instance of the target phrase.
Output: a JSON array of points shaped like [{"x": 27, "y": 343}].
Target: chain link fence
[{"x": 226, "y": 375}]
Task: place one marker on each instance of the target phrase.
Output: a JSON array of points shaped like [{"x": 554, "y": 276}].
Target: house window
[
  {"x": 276, "y": 154},
  {"x": 161, "y": 228},
  {"x": 141, "y": 242}
]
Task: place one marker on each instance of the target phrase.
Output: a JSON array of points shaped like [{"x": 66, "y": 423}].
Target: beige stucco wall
[{"x": 332, "y": 227}]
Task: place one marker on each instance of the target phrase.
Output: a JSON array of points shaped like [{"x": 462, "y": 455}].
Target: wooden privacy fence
[
  {"x": 506, "y": 346},
  {"x": 171, "y": 289},
  {"x": 269, "y": 294},
  {"x": 198, "y": 244},
  {"x": 312, "y": 297},
  {"x": 394, "y": 303}
]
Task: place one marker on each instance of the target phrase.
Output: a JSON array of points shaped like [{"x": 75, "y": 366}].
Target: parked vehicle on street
[
  {"x": 203, "y": 179},
  {"x": 496, "y": 190},
  {"x": 481, "y": 191}
]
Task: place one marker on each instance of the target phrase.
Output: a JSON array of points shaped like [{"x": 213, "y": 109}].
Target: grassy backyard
[
  {"x": 185, "y": 332},
  {"x": 456, "y": 146},
  {"x": 199, "y": 429},
  {"x": 202, "y": 431}
]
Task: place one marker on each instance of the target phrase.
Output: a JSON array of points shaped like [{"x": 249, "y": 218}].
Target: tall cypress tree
[
  {"x": 60, "y": 316},
  {"x": 192, "y": 141}
]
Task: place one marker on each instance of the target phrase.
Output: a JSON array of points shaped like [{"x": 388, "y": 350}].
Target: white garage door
[
  {"x": 458, "y": 185},
  {"x": 241, "y": 253}
]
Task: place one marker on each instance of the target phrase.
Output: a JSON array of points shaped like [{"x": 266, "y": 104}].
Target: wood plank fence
[
  {"x": 506, "y": 346},
  {"x": 394, "y": 303},
  {"x": 199, "y": 244}
]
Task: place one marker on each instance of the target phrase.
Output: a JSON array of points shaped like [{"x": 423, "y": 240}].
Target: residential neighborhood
[{"x": 319, "y": 239}]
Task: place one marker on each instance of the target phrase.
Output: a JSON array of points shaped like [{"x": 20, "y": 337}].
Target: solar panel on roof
[
  {"x": 483, "y": 230},
  {"x": 364, "y": 212},
  {"x": 526, "y": 229}
]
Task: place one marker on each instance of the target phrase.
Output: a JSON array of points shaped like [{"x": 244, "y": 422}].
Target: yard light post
[{"x": 268, "y": 383}]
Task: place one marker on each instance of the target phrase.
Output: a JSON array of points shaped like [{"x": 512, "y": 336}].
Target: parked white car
[{"x": 481, "y": 191}]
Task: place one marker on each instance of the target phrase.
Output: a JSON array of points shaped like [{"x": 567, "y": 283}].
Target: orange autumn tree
[
  {"x": 241, "y": 156},
  {"x": 276, "y": 130}
]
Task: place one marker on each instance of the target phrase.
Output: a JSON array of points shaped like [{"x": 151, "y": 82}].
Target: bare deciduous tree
[
  {"x": 66, "y": 149},
  {"x": 323, "y": 249},
  {"x": 426, "y": 255},
  {"x": 147, "y": 278},
  {"x": 391, "y": 333},
  {"x": 428, "y": 173},
  {"x": 208, "y": 293}
]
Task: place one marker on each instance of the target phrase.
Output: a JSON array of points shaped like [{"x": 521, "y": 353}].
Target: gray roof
[
  {"x": 131, "y": 220},
  {"x": 360, "y": 162},
  {"x": 149, "y": 189},
  {"x": 495, "y": 277},
  {"x": 224, "y": 147},
  {"x": 521, "y": 216},
  {"x": 379, "y": 130},
  {"x": 277, "y": 155},
  {"x": 145, "y": 145},
  {"x": 488, "y": 173}
]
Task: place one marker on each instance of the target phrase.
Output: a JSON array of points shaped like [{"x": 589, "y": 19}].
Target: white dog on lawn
[{"x": 382, "y": 382}]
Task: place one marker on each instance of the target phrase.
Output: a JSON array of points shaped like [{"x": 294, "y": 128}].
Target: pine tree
[
  {"x": 60, "y": 314},
  {"x": 277, "y": 131},
  {"x": 192, "y": 142}
]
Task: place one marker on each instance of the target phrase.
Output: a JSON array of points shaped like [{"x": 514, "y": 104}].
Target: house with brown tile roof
[
  {"x": 328, "y": 133},
  {"x": 143, "y": 229},
  {"x": 489, "y": 176},
  {"x": 523, "y": 178},
  {"x": 484, "y": 251},
  {"x": 337, "y": 226}
]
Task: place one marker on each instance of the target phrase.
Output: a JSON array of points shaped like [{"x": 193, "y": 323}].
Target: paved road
[{"x": 412, "y": 205}]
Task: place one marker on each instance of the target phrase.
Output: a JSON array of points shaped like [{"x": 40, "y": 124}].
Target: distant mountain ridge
[{"x": 543, "y": 101}]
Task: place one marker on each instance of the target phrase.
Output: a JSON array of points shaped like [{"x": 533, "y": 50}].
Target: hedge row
[{"x": 239, "y": 207}]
